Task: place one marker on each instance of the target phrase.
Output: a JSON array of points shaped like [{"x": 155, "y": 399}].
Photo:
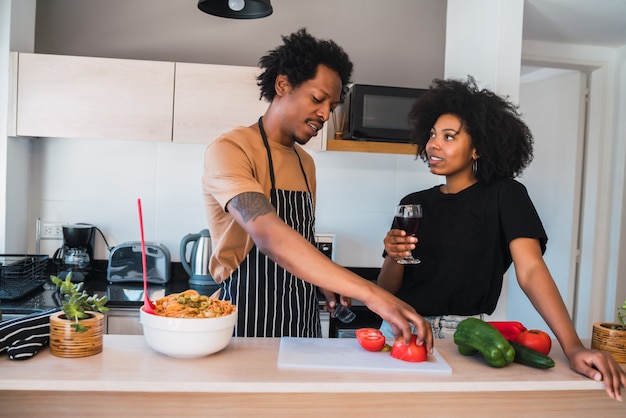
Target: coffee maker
[{"x": 76, "y": 254}]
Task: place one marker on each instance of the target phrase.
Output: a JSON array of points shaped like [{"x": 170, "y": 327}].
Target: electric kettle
[{"x": 197, "y": 265}]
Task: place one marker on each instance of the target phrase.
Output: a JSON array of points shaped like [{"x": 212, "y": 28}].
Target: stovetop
[
  {"x": 128, "y": 295},
  {"x": 119, "y": 294}
]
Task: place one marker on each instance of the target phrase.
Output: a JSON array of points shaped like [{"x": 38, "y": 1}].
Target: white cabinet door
[
  {"x": 94, "y": 98},
  {"x": 212, "y": 99}
]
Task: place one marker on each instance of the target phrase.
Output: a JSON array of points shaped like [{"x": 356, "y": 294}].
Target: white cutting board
[{"x": 347, "y": 354}]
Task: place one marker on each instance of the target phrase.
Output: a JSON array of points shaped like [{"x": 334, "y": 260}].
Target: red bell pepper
[{"x": 509, "y": 329}]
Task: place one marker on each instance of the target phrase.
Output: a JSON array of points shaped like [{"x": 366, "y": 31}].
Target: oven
[
  {"x": 364, "y": 319},
  {"x": 326, "y": 244},
  {"x": 332, "y": 327}
]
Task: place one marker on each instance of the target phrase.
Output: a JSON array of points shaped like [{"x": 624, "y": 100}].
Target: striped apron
[{"x": 271, "y": 302}]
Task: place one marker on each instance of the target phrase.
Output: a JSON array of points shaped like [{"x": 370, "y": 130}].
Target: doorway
[{"x": 553, "y": 102}]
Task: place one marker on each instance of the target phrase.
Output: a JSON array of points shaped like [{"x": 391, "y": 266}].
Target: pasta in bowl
[{"x": 189, "y": 325}]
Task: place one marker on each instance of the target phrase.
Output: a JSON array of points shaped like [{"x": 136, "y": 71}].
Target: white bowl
[{"x": 187, "y": 337}]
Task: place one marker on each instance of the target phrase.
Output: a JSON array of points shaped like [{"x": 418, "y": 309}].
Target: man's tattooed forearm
[{"x": 251, "y": 205}]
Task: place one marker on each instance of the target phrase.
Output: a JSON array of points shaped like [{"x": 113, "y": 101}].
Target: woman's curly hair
[
  {"x": 501, "y": 138},
  {"x": 298, "y": 59}
]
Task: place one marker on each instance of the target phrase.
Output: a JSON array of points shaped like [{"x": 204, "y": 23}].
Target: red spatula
[{"x": 148, "y": 306}]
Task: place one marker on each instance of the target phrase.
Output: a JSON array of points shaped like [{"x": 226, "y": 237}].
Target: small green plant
[
  {"x": 76, "y": 301},
  {"x": 621, "y": 315}
]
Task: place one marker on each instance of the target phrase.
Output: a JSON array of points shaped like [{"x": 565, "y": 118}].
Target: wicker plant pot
[
  {"x": 66, "y": 342},
  {"x": 610, "y": 340}
]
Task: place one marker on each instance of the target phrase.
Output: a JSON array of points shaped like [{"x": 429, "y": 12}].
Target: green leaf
[
  {"x": 76, "y": 301},
  {"x": 78, "y": 327}
]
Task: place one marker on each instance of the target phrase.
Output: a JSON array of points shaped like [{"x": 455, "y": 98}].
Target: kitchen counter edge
[{"x": 249, "y": 365}]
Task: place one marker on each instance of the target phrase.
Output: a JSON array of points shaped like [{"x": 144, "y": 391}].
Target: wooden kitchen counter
[{"x": 130, "y": 379}]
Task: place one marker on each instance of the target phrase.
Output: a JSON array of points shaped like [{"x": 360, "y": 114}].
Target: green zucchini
[{"x": 529, "y": 357}]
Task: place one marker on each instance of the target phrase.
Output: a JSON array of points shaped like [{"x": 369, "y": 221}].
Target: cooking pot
[{"x": 197, "y": 265}]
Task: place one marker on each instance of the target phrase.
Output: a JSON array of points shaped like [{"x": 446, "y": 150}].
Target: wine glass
[{"x": 408, "y": 218}]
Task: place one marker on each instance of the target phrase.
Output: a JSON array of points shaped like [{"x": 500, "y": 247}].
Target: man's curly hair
[
  {"x": 298, "y": 59},
  {"x": 501, "y": 138}
]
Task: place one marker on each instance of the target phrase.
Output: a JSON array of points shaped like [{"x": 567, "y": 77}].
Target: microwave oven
[{"x": 380, "y": 113}]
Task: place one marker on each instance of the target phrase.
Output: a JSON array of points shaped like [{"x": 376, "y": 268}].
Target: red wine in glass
[
  {"x": 408, "y": 225},
  {"x": 408, "y": 218}
]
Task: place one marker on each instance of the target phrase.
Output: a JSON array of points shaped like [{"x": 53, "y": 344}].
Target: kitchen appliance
[
  {"x": 347, "y": 354},
  {"x": 364, "y": 317},
  {"x": 197, "y": 263},
  {"x": 325, "y": 242},
  {"x": 21, "y": 274},
  {"x": 76, "y": 254},
  {"x": 125, "y": 264},
  {"x": 380, "y": 113}
]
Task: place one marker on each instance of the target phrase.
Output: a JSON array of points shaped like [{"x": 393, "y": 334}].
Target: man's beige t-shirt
[{"x": 235, "y": 163}]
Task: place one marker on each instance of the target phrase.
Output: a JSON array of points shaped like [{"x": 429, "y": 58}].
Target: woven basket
[
  {"x": 610, "y": 340},
  {"x": 66, "y": 342}
]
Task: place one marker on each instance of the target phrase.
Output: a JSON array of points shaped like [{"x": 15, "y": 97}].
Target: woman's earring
[{"x": 475, "y": 167}]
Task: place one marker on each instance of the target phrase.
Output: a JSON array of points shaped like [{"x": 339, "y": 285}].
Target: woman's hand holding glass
[{"x": 399, "y": 242}]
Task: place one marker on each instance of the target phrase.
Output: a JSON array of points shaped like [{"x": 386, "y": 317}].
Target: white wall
[
  {"x": 5, "y": 36},
  {"x": 553, "y": 107},
  {"x": 603, "y": 214},
  {"x": 14, "y": 153},
  {"x": 99, "y": 182},
  {"x": 618, "y": 280}
]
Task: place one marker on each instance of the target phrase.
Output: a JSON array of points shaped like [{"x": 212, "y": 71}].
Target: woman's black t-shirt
[{"x": 464, "y": 246}]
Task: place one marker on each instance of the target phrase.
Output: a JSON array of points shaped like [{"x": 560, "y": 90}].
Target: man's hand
[{"x": 331, "y": 300}]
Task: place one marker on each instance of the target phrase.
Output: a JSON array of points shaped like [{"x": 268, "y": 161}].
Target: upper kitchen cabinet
[
  {"x": 92, "y": 98},
  {"x": 212, "y": 99}
]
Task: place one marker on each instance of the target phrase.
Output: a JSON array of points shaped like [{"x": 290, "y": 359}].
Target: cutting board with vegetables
[{"x": 347, "y": 354}]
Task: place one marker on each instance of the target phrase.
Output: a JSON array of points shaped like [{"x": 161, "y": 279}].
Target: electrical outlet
[{"x": 51, "y": 230}]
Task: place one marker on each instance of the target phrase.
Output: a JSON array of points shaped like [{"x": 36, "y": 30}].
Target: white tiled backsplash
[{"x": 98, "y": 182}]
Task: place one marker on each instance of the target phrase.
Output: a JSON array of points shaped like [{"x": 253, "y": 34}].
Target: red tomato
[
  {"x": 370, "y": 339},
  {"x": 411, "y": 352},
  {"x": 535, "y": 339}
]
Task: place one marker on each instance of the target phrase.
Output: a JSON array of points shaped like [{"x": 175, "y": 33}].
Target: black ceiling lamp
[{"x": 236, "y": 9}]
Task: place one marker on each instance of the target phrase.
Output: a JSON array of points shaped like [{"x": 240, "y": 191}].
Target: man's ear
[{"x": 281, "y": 84}]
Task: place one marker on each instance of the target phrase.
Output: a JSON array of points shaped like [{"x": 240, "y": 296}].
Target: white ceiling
[
  {"x": 583, "y": 22},
  {"x": 175, "y": 30}
]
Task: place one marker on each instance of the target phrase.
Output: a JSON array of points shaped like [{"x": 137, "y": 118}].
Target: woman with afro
[{"x": 478, "y": 223}]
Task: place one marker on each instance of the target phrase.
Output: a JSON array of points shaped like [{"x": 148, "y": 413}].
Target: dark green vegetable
[
  {"x": 474, "y": 334},
  {"x": 529, "y": 357},
  {"x": 467, "y": 351}
]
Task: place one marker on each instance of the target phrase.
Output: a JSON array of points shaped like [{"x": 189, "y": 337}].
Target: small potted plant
[
  {"x": 77, "y": 330},
  {"x": 621, "y": 316},
  {"x": 611, "y": 337}
]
